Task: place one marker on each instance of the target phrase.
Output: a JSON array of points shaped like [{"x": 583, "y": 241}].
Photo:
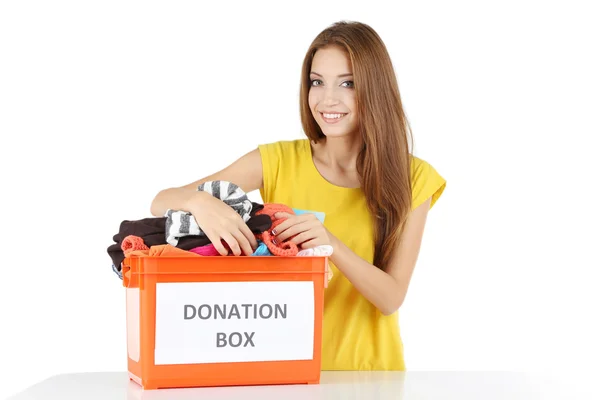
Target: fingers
[
  {"x": 289, "y": 228},
  {"x": 241, "y": 240},
  {"x": 232, "y": 242},
  {"x": 310, "y": 244},
  {"x": 249, "y": 235},
  {"x": 285, "y": 224},
  {"x": 216, "y": 241},
  {"x": 303, "y": 237},
  {"x": 289, "y": 220},
  {"x": 283, "y": 214},
  {"x": 236, "y": 240},
  {"x": 243, "y": 243}
]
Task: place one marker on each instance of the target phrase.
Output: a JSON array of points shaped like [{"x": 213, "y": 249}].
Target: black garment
[{"x": 152, "y": 231}]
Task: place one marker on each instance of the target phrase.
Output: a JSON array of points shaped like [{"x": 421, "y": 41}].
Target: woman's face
[{"x": 331, "y": 98}]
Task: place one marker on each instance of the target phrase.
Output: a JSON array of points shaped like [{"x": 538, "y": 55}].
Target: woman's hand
[
  {"x": 305, "y": 230},
  {"x": 221, "y": 222}
]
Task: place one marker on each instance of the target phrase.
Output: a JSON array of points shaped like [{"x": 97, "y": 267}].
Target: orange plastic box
[{"x": 224, "y": 320}]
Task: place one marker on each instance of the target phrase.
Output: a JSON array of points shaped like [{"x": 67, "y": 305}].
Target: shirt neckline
[{"x": 315, "y": 171}]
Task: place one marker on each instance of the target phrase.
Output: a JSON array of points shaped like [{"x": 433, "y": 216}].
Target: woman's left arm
[{"x": 386, "y": 290}]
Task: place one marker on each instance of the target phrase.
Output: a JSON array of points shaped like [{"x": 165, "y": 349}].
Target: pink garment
[{"x": 208, "y": 250}]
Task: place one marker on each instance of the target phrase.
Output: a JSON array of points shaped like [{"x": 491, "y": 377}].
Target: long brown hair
[{"x": 384, "y": 161}]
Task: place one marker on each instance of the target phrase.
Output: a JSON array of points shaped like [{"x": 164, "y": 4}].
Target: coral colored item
[
  {"x": 131, "y": 243},
  {"x": 184, "y": 331}
]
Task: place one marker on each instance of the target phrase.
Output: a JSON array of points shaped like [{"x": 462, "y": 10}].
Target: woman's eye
[
  {"x": 348, "y": 84},
  {"x": 315, "y": 82}
]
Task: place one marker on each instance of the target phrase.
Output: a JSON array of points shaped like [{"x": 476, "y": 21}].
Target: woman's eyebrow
[{"x": 339, "y": 76}]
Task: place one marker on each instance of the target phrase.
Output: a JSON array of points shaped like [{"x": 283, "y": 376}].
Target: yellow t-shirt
[{"x": 356, "y": 336}]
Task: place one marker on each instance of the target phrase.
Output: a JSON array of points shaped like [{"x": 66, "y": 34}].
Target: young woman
[{"x": 356, "y": 168}]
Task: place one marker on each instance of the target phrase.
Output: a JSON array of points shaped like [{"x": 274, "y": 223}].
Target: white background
[{"x": 103, "y": 104}]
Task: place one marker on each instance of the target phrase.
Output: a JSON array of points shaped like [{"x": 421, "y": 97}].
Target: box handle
[{"x": 126, "y": 272}]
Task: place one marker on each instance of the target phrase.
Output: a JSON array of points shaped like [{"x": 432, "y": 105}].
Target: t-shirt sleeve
[
  {"x": 426, "y": 183},
  {"x": 270, "y": 155}
]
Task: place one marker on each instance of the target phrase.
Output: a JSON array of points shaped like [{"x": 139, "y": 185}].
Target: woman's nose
[{"x": 330, "y": 97}]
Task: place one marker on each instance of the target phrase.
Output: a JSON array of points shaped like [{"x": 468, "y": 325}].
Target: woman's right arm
[{"x": 217, "y": 219}]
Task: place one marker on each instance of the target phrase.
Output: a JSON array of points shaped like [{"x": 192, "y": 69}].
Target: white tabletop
[{"x": 334, "y": 385}]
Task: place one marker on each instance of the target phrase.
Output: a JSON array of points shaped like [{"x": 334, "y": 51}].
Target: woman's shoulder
[
  {"x": 282, "y": 161},
  {"x": 426, "y": 182},
  {"x": 284, "y": 146},
  {"x": 283, "y": 152}
]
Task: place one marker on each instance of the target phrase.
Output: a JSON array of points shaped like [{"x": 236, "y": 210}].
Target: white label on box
[{"x": 214, "y": 322}]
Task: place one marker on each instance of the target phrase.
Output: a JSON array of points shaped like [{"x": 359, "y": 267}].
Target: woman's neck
[{"x": 338, "y": 153}]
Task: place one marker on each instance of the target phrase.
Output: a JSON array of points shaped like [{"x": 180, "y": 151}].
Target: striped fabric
[{"x": 182, "y": 223}]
